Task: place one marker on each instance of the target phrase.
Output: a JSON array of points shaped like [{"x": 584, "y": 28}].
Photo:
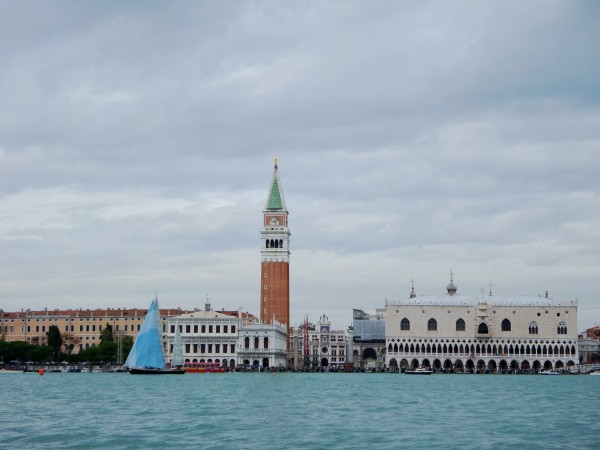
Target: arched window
[
  {"x": 562, "y": 328},
  {"x": 405, "y": 324},
  {"x": 460, "y": 325},
  {"x": 390, "y": 347},
  {"x": 533, "y": 328},
  {"x": 280, "y": 243},
  {"x": 432, "y": 325},
  {"x": 267, "y": 242},
  {"x": 506, "y": 325},
  {"x": 396, "y": 348},
  {"x": 483, "y": 328},
  {"x": 266, "y": 342},
  {"x": 256, "y": 342}
]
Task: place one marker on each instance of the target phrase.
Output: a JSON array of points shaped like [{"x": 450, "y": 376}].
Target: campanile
[{"x": 275, "y": 257}]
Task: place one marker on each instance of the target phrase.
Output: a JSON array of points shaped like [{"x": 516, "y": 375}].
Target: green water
[{"x": 298, "y": 410}]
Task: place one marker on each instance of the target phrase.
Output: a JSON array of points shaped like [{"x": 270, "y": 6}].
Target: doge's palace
[{"x": 481, "y": 333}]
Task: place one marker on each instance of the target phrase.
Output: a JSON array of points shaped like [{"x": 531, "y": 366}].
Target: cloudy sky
[{"x": 136, "y": 146}]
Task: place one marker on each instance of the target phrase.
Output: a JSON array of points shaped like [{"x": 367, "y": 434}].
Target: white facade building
[
  {"x": 230, "y": 339},
  {"x": 262, "y": 345},
  {"x": 207, "y": 336},
  {"x": 481, "y": 333}
]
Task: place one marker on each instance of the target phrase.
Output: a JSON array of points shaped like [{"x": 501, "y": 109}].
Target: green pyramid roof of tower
[{"x": 274, "y": 197}]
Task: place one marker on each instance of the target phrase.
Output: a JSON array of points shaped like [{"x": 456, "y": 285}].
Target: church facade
[{"x": 485, "y": 333}]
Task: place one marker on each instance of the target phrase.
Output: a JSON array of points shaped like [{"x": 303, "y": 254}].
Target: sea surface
[{"x": 298, "y": 410}]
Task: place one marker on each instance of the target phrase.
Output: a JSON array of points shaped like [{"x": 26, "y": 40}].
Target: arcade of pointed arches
[{"x": 496, "y": 355}]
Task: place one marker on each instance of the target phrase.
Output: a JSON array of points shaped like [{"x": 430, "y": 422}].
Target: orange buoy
[{"x": 41, "y": 371}]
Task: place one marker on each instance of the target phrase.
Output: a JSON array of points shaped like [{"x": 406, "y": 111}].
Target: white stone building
[
  {"x": 481, "y": 333},
  {"x": 262, "y": 345},
  {"x": 207, "y": 336},
  {"x": 231, "y": 339}
]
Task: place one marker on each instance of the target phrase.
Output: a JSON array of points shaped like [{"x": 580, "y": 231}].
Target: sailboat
[
  {"x": 177, "y": 356},
  {"x": 146, "y": 355}
]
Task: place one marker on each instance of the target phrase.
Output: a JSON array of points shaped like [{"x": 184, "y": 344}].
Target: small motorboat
[{"x": 420, "y": 371}]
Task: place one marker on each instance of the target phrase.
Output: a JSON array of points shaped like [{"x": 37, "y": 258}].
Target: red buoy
[{"x": 41, "y": 371}]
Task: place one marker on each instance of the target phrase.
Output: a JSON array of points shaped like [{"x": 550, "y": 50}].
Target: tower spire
[
  {"x": 412, "y": 292},
  {"x": 275, "y": 199}
]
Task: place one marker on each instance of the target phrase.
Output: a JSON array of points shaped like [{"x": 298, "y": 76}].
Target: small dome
[{"x": 451, "y": 288}]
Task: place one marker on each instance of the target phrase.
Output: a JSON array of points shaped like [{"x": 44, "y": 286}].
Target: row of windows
[
  {"x": 71, "y": 328},
  {"x": 208, "y": 348},
  {"x": 100, "y": 319},
  {"x": 256, "y": 342},
  {"x": 483, "y": 328},
  {"x": 203, "y": 328}
]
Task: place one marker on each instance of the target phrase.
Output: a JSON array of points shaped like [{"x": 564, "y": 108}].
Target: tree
[
  {"x": 69, "y": 343},
  {"x": 55, "y": 341},
  {"x": 127, "y": 344},
  {"x": 107, "y": 334}
]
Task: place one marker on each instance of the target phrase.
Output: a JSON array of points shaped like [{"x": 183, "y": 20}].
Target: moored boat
[
  {"x": 548, "y": 372},
  {"x": 419, "y": 371},
  {"x": 203, "y": 367}
]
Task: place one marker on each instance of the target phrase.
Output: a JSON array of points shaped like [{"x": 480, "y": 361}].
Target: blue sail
[{"x": 147, "y": 349}]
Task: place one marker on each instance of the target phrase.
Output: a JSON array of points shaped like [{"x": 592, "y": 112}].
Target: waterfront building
[
  {"x": 275, "y": 257},
  {"x": 367, "y": 338},
  {"x": 80, "y": 328},
  {"x": 318, "y": 347},
  {"x": 592, "y": 333},
  {"x": 262, "y": 345},
  {"x": 481, "y": 333},
  {"x": 206, "y": 336},
  {"x": 589, "y": 351},
  {"x": 228, "y": 338}
]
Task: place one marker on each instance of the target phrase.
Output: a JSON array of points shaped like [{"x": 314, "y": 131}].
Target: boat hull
[
  {"x": 149, "y": 371},
  {"x": 203, "y": 370},
  {"x": 419, "y": 372}
]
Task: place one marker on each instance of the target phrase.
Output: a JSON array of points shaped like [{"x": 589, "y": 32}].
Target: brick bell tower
[{"x": 275, "y": 257}]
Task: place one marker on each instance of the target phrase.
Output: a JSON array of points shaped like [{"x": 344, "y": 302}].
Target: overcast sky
[{"x": 136, "y": 146}]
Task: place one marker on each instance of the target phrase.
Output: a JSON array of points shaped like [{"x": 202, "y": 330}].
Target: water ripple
[{"x": 289, "y": 410}]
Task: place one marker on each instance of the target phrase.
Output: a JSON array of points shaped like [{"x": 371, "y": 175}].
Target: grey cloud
[{"x": 136, "y": 144}]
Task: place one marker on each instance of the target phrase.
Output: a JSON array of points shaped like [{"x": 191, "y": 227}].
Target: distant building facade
[
  {"x": 230, "y": 339},
  {"x": 367, "y": 339},
  {"x": 325, "y": 348},
  {"x": 485, "y": 333},
  {"x": 263, "y": 345},
  {"x": 589, "y": 351},
  {"x": 206, "y": 336},
  {"x": 592, "y": 333},
  {"x": 80, "y": 328}
]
